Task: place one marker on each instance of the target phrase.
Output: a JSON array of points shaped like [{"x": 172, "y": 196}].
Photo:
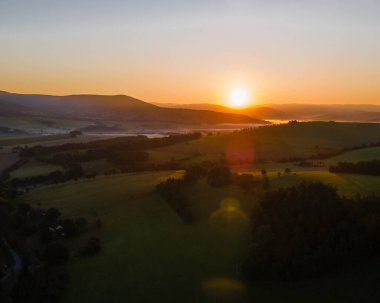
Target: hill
[
  {"x": 198, "y": 106},
  {"x": 9, "y": 108},
  {"x": 337, "y": 112},
  {"x": 291, "y": 111},
  {"x": 278, "y": 142},
  {"x": 119, "y": 107}
]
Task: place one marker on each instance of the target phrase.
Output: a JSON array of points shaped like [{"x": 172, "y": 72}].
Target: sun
[{"x": 238, "y": 98}]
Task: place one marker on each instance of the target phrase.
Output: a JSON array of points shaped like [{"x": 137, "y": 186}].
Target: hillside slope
[
  {"x": 119, "y": 107},
  {"x": 317, "y": 112}
]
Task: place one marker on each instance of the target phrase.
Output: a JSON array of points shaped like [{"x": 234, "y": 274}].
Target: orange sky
[{"x": 279, "y": 51}]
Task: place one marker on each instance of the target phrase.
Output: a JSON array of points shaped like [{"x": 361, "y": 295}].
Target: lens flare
[
  {"x": 229, "y": 218},
  {"x": 240, "y": 152},
  {"x": 222, "y": 289}
]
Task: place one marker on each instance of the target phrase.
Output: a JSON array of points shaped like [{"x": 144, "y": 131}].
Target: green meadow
[
  {"x": 34, "y": 168},
  {"x": 150, "y": 255},
  {"x": 372, "y": 153},
  {"x": 276, "y": 142}
]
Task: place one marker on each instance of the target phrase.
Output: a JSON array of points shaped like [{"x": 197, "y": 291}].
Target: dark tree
[
  {"x": 245, "y": 181},
  {"x": 194, "y": 172},
  {"x": 81, "y": 223},
  {"x": 92, "y": 247},
  {"x": 219, "y": 176},
  {"x": 46, "y": 236},
  {"x": 308, "y": 230},
  {"x": 172, "y": 190},
  {"x": 363, "y": 167},
  {"x": 69, "y": 227},
  {"x": 23, "y": 209},
  {"x": 52, "y": 215},
  {"x": 55, "y": 253}
]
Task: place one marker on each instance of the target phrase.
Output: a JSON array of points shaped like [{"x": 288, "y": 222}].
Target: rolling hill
[
  {"x": 320, "y": 112},
  {"x": 259, "y": 112},
  {"x": 116, "y": 108}
]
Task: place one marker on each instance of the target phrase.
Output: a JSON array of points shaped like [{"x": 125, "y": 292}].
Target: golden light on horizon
[{"x": 238, "y": 98}]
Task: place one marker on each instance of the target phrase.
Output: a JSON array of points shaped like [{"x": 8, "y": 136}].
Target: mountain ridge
[
  {"x": 291, "y": 111},
  {"x": 116, "y": 107}
]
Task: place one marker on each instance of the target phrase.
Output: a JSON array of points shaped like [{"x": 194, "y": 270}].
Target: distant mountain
[
  {"x": 198, "y": 106},
  {"x": 326, "y": 112},
  {"x": 119, "y": 107},
  {"x": 266, "y": 112},
  {"x": 321, "y": 112},
  {"x": 129, "y": 109},
  {"x": 9, "y": 108},
  {"x": 259, "y": 112}
]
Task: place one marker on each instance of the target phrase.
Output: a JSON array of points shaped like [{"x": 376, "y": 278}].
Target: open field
[
  {"x": 48, "y": 140},
  {"x": 149, "y": 255},
  {"x": 366, "y": 154},
  {"x": 43, "y": 125},
  {"x": 266, "y": 144},
  {"x": 347, "y": 184},
  {"x": 25, "y": 140},
  {"x": 34, "y": 168},
  {"x": 148, "y": 251},
  {"x": 296, "y": 140}
]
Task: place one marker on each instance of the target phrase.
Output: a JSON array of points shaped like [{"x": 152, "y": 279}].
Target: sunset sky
[{"x": 320, "y": 51}]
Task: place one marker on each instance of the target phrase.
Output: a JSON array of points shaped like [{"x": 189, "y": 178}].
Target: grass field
[
  {"x": 278, "y": 141},
  {"x": 25, "y": 140},
  {"x": 34, "y": 168},
  {"x": 148, "y": 252},
  {"x": 46, "y": 140},
  {"x": 347, "y": 184},
  {"x": 366, "y": 154},
  {"x": 149, "y": 255}
]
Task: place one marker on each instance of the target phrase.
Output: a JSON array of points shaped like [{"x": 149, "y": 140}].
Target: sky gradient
[{"x": 281, "y": 51}]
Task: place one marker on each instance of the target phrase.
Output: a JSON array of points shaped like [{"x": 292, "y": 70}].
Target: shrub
[
  {"x": 55, "y": 253},
  {"x": 92, "y": 246},
  {"x": 219, "y": 176},
  {"x": 245, "y": 181},
  {"x": 194, "y": 172}
]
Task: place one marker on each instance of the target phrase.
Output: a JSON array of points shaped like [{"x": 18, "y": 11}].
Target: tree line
[
  {"x": 174, "y": 190},
  {"x": 73, "y": 171},
  {"x": 308, "y": 230},
  {"x": 95, "y": 150},
  {"x": 321, "y": 155},
  {"x": 363, "y": 167}
]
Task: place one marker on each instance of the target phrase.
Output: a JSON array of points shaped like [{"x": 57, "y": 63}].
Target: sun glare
[{"x": 238, "y": 98}]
